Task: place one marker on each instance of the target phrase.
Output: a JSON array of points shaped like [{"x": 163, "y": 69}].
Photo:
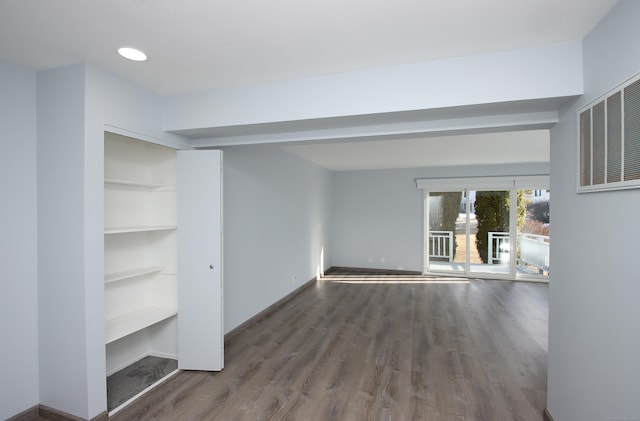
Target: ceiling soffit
[{"x": 498, "y": 117}]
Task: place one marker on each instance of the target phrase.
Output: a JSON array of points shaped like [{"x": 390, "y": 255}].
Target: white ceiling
[
  {"x": 199, "y": 44},
  {"x": 438, "y": 151},
  {"x": 202, "y": 44}
]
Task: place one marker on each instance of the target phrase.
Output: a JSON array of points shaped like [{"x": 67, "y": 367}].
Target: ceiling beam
[{"x": 438, "y": 127}]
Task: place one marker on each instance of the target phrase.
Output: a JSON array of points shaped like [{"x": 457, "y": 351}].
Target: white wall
[
  {"x": 61, "y": 283},
  {"x": 594, "y": 342},
  {"x": 275, "y": 227},
  {"x": 379, "y": 214},
  {"x": 18, "y": 242}
]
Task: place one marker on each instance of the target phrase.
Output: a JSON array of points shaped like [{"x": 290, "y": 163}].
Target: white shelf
[
  {"x": 124, "y": 230},
  {"x": 129, "y": 323},
  {"x": 133, "y": 273},
  {"x": 128, "y": 183}
]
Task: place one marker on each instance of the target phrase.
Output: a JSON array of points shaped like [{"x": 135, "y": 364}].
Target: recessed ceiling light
[{"x": 132, "y": 54}]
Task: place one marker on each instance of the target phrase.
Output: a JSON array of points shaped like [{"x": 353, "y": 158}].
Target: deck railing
[
  {"x": 534, "y": 249},
  {"x": 441, "y": 245},
  {"x": 498, "y": 250}
]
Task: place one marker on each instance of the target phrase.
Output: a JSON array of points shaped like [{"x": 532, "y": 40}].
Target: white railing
[
  {"x": 534, "y": 250},
  {"x": 498, "y": 247},
  {"x": 441, "y": 245}
]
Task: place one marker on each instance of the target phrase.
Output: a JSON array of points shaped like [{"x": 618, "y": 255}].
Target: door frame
[{"x": 466, "y": 184}]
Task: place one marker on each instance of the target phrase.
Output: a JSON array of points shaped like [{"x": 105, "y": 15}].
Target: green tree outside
[{"x": 492, "y": 214}]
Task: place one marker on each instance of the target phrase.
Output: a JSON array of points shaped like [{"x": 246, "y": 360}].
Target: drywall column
[
  {"x": 593, "y": 365},
  {"x": 18, "y": 243},
  {"x": 62, "y": 285}
]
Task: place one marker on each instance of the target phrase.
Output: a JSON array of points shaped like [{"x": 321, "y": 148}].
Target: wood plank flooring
[{"x": 376, "y": 348}]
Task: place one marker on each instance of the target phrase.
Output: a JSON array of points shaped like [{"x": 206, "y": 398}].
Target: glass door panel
[
  {"x": 534, "y": 235},
  {"x": 489, "y": 235},
  {"x": 445, "y": 236}
]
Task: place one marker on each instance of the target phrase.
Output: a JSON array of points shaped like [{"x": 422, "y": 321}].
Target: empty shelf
[
  {"x": 132, "y": 273},
  {"x": 129, "y": 323},
  {"x": 124, "y": 230}
]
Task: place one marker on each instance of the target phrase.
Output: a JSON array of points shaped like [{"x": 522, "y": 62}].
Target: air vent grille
[
  {"x": 632, "y": 131},
  {"x": 609, "y": 140}
]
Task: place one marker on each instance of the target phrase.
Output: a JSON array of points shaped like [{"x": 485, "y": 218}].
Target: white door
[{"x": 200, "y": 298}]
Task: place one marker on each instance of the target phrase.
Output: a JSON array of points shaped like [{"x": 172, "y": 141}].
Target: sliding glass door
[{"x": 488, "y": 228}]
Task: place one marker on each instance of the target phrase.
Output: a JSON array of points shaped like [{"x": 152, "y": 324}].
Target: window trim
[{"x": 519, "y": 182}]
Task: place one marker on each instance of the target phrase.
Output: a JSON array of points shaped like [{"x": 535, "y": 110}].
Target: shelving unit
[
  {"x": 140, "y": 245},
  {"x": 141, "y": 224}
]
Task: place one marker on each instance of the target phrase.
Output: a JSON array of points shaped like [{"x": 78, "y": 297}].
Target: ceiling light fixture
[{"x": 132, "y": 54}]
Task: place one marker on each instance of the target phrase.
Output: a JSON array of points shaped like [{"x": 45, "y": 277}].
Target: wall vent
[{"x": 609, "y": 140}]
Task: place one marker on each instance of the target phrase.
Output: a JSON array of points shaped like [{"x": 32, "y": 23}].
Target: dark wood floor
[{"x": 380, "y": 350}]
